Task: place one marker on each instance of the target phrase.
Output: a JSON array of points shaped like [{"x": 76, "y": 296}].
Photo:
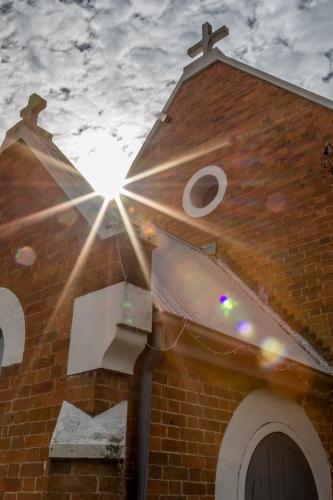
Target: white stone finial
[
  {"x": 30, "y": 113},
  {"x": 209, "y": 38}
]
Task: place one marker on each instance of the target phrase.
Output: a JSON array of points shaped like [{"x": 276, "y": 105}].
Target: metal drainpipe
[{"x": 144, "y": 411}]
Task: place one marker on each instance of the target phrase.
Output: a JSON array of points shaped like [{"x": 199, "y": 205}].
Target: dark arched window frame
[{"x": 279, "y": 469}]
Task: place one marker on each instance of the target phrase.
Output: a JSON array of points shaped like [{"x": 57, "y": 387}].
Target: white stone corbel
[
  {"x": 109, "y": 329},
  {"x": 77, "y": 435}
]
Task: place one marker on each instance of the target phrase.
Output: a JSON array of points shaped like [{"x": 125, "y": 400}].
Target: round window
[{"x": 204, "y": 191}]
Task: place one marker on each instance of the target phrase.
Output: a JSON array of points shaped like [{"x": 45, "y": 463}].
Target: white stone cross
[
  {"x": 30, "y": 113},
  {"x": 208, "y": 39}
]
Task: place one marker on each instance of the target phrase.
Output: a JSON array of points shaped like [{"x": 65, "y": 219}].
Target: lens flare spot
[
  {"x": 276, "y": 202},
  {"x": 272, "y": 351},
  {"x": 245, "y": 329},
  {"x": 226, "y": 302},
  {"x": 68, "y": 218},
  {"x": 127, "y": 304},
  {"x": 148, "y": 229},
  {"x": 25, "y": 256}
]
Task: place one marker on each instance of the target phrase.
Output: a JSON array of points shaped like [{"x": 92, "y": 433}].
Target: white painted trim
[
  {"x": 261, "y": 413},
  {"x": 221, "y": 179},
  {"x": 216, "y": 55},
  {"x": 12, "y": 324}
]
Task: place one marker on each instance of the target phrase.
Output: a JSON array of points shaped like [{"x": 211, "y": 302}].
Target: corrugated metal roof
[{"x": 189, "y": 284}]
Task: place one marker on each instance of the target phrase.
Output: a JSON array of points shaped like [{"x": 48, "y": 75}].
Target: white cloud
[{"x": 107, "y": 66}]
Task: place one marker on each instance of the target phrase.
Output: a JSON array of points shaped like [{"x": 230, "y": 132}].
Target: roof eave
[{"x": 245, "y": 357}]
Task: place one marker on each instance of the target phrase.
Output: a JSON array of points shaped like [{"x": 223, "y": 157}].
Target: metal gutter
[{"x": 152, "y": 356}]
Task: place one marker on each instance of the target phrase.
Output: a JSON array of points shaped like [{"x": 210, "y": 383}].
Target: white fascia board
[{"x": 72, "y": 183}]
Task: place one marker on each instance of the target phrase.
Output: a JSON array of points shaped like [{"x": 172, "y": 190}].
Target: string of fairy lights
[
  {"x": 245, "y": 345},
  {"x": 174, "y": 344},
  {"x": 120, "y": 262}
]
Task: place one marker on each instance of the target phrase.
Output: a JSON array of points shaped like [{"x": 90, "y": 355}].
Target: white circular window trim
[
  {"x": 259, "y": 414},
  {"x": 12, "y": 324},
  {"x": 221, "y": 178}
]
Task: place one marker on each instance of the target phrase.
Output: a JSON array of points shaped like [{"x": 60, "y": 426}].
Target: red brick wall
[
  {"x": 85, "y": 480},
  {"x": 31, "y": 393},
  {"x": 275, "y": 222},
  {"x": 273, "y": 146},
  {"x": 192, "y": 406}
]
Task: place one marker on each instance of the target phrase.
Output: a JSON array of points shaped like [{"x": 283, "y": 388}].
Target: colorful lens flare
[
  {"x": 68, "y": 218},
  {"x": 226, "y": 302},
  {"x": 245, "y": 329},
  {"x": 276, "y": 202},
  {"x": 272, "y": 351},
  {"x": 127, "y": 304},
  {"x": 25, "y": 256}
]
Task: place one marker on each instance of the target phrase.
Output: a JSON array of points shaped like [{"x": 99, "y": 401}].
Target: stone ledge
[{"x": 78, "y": 435}]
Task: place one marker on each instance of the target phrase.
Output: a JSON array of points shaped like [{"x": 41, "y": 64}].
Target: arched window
[
  {"x": 2, "y": 346},
  {"x": 279, "y": 469},
  {"x": 267, "y": 424},
  {"x": 12, "y": 320}
]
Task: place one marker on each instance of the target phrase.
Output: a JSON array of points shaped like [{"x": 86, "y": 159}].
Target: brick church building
[{"x": 175, "y": 343}]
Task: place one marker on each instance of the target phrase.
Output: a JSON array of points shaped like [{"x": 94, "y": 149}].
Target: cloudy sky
[{"x": 106, "y": 67}]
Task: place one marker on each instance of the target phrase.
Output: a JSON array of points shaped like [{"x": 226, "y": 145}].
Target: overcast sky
[{"x": 106, "y": 67}]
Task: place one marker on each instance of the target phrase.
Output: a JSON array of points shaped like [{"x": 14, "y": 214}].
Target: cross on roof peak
[
  {"x": 30, "y": 113},
  {"x": 209, "y": 38}
]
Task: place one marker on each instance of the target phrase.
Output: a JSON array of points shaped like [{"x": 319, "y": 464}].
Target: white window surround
[
  {"x": 193, "y": 185},
  {"x": 259, "y": 414},
  {"x": 12, "y": 324}
]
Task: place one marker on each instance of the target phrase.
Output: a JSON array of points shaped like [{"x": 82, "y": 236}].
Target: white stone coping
[
  {"x": 215, "y": 55},
  {"x": 77, "y": 435},
  {"x": 12, "y": 324},
  {"x": 259, "y": 414}
]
